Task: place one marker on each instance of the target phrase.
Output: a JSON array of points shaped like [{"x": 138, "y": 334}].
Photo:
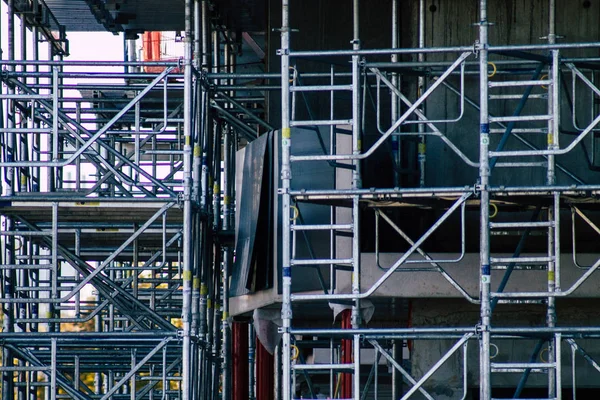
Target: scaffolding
[
  {"x": 524, "y": 68},
  {"x": 112, "y": 282},
  {"x": 119, "y": 198}
]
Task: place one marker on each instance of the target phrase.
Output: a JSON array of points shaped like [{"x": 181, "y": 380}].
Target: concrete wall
[
  {"x": 446, "y": 383},
  {"x": 465, "y": 273},
  {"x": 324, "y": 25}
]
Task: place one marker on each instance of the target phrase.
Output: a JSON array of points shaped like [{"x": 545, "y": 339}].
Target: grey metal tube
[
  {"x": 187, "y": 207},
  {"x": 422, "y": 149},
  {"x": 396, "y": 142},
  {"x": 9, "y": 174},
  {"x": 485, "y": 387},
  {"x": 286, "y": 137},
  {"x": 554, "y": 210},
  {"x": 227, "y": 265},
  {"x": 356, "y": 184}
]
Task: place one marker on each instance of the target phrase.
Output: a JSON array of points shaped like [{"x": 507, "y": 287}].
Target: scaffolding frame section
[
  {"x": 118, "y": 216},
  {"x": 481, "y": 195}
]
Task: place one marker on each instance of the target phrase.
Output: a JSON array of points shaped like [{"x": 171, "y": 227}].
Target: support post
[
  {"x": 265, "y": 371},
  {"x": 485, "y": 391},
  {"x": 187, "y": 207},
  {"x": 286, "y": 175},
  {"x": 239, "y": 360}
]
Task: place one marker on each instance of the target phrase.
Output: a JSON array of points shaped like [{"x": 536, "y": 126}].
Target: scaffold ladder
[
  {"x": 548, "y": 261},
  {"x": 292, "y": 223},
  {"x": 346, "y": 368}
]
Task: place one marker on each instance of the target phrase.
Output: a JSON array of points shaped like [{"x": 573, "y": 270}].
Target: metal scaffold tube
[
  {"x": 396, "y": 143},
  {"x": 422, "y": 146},
  {"x": 187, "y": 273},
  {"x": 485, "y": 386},
  {"x": 554, "y": 390},
  {"x": 356, "y": 184},
  {"x": 286, "y": 176}
]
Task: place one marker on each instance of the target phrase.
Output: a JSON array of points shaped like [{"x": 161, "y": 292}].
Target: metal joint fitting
[
  {"x": 180, "y": 199},
  {"x": 476, "y": 48}
]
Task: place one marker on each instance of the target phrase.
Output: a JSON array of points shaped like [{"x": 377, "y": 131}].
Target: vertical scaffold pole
[
  {"x": 484, "y": 174},
  {"x": 198, "y": 245},
  {"x": 286, "y": 175},
  {"x": 187, "y": 205},
  {"x": 9, "y": 275},
  {"x": 422, "y": 146},
  {"x": 395, "y": 106},
  {"x": 356, "y": 184},
  {"x": 554, "y": 209},
  {"x": 227, "y": 263}
]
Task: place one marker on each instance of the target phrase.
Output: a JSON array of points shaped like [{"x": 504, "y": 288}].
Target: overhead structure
[{"x": 301, "y": 199}]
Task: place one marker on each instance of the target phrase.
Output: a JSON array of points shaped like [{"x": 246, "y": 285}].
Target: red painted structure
[
  {"x": 346, "y": 356},
  {"x": 265, "y": 373},
  {"x": 239, "y": 361}
]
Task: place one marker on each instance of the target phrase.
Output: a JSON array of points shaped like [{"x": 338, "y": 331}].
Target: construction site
[{"x": 300, "y": 199}]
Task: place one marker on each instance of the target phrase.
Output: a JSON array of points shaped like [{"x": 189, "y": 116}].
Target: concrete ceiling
[
  {"x": 118, "y": 15},
  {"x": 149, "y": 15}
]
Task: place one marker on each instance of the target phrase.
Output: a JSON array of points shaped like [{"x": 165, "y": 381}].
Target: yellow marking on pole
[
  {"x": 286, "y": 133},
  {"x": 187, "y": 276}
]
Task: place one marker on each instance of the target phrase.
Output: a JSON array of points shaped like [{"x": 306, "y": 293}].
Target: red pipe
[
  {"x": 146, "y": 43},
  {"x": 239, "y": 361},
  {"x": 156, "y": 42},
  {"x": 265, "y": 373}
]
